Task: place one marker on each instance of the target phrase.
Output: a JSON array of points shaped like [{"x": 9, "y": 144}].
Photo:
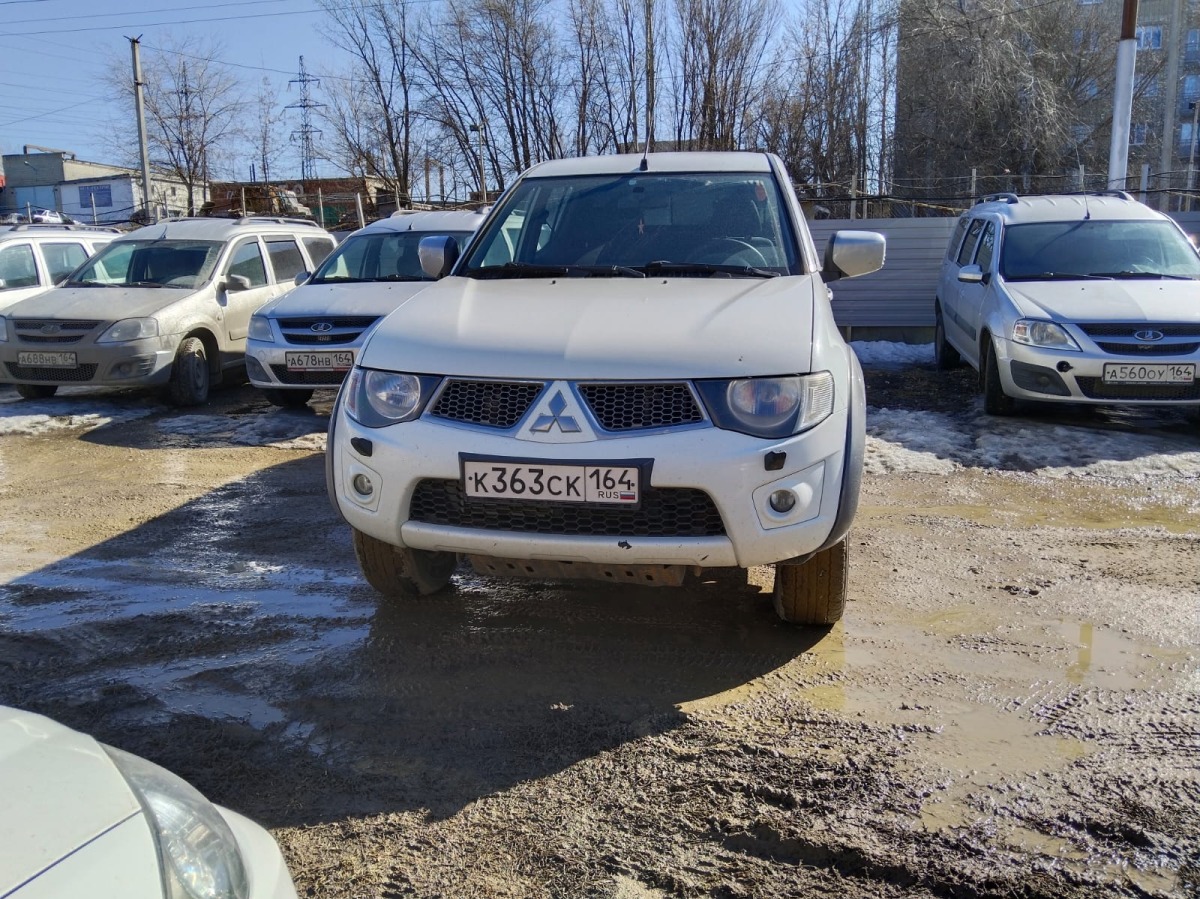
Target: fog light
[
  {"x": 783, "y": 501},
  {"x": 362, "y": 485}
]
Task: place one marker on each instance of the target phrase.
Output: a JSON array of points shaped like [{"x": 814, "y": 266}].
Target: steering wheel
[{"x": 731, "y": 251}]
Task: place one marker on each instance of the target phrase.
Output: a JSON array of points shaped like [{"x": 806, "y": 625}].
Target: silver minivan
[{"x": 168, "y": 304}]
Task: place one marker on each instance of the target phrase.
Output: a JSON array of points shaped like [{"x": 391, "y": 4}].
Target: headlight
[
  {"x": 1034, "y": 332},
  {"x": 260, "y": 328},
  {"x": 198, "y": 852},
  {"x": 380, "y": 398},
  {"x": 769, "y": 407},
  {"x": 130, "y": 329},
  {"x": 3, "y": 329}
]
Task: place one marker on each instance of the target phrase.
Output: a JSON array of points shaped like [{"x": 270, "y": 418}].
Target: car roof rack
[
  {"x": 1108, "y": 192},
  {"x": 55, "y": 226},
  {"x": 995, "y": 198},
  {"x": 275, "y": 220}
]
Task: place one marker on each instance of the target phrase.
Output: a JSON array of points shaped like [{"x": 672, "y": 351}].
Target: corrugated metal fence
[{"x": 900, "y": 295}]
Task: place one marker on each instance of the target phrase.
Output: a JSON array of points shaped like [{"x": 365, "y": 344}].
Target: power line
[{"x": 308, "y": 153}]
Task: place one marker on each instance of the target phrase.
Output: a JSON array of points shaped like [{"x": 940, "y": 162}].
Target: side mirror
[
  {"x": 3, "y": 284},
  {"x": 852, "y": 253},
  {"x": 970, "y": 274},
  {"x": 438, "y": 255},
  {"x": 237, "y": 282},
  {"x": 301, "y": 277}
]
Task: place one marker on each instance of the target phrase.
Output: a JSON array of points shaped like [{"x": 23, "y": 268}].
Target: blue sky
[{"x": 53, "y": 54}]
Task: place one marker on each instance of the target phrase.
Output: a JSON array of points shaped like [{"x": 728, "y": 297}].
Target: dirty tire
[
  {"x": 402, "y": 573},
  {"x": 36, "y": 391},
  {"x": 189, "y": 374},
  {"x": 288, "y": 399},
  {"x": 945, "y": 357},
  {"x": 995, "y": 400},
  {"x": 813, "y": 592}
]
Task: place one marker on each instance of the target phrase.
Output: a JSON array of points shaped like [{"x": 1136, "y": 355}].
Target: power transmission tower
[{"x": 306, "y": 131}]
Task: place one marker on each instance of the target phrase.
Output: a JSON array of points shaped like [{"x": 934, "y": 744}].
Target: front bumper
[
  {"x": 266, "y": 366},
  {"x": 1046, "y": 375},
  {"x": 138, "y": 363},
  {"x": 729, "y": 467}
]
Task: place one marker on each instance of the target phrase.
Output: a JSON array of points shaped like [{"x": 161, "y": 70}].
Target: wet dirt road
[{"x": 1011, "y": 706}]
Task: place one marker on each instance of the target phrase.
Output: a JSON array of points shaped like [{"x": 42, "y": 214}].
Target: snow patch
[
  {"x": 886, "y": 352},
  {"x": 73, "y": 408},
  {"x": 282, "y": 430}
]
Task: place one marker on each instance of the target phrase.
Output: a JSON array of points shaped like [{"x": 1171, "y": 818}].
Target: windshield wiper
[
  {"x": 538, "y": 270},
  {"x": 1148, "y": 275},
  {"x": 662, "y": 267},
  {"x": 90, "y": 284},
  {"x": 1059, "y": 276},
  {"x": 399, "y": 278}
]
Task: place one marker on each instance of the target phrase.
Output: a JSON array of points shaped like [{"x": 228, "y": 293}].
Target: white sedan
[{"x": 79, "y": 818}]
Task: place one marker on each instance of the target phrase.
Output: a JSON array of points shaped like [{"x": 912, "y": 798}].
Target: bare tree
[
  {"x": 194, "y": 106},
  {"x": 264, "y": 130}
]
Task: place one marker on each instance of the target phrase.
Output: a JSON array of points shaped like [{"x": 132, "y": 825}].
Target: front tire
[
  {"x": 402, "y": 573},
  {"x": 287, "y": 399},
  {"x": 814, "y": 592},
  {"x": 945, "y": 357},
  {"x": 36, "y": 391},
  {"x": 995, "y": 400},
  {"x": 190, "y": 378}
]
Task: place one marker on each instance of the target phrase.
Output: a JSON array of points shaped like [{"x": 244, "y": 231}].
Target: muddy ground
[{"x": 1011, "y": 706}]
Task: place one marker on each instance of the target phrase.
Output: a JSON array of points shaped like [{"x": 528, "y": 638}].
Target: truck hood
[
  {"x": 1113, "y": 301},
  {"x": 599, "y": 328},
  {"x": 60, "y": 791},
  {"x": 367, "y": 298},
  {"x": 98, "y": 303}
]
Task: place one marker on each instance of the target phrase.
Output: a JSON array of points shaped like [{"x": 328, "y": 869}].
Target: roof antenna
[
  {"x": 644, "y": 165},
  {"x": 1087, "y": 210}
]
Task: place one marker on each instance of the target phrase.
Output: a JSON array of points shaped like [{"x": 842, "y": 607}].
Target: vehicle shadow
[{"x": 233, "y": 641}]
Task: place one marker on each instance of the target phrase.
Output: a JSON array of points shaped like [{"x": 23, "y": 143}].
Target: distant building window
[
  {"x": 1089, "y": 2},
  {"x": 1185, "y": 133},
  {"x": 1089, "y": 89},
  {"x": 1149, "y": 37},
  {"x": 1086, "y": 40},
  {"x": 1193, "y": 40},
  {"x": 1137, "y": 134},
  {"x": 1191, "y": 87},
  {"x": 99, "y": 195}
]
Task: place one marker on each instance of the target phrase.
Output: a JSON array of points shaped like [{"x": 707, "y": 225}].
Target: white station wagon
[
  {"x": 632, "y": 373},
  {"x": 168, "y": 304}
]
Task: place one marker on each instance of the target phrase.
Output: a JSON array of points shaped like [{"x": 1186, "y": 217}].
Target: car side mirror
[
  {"x": 437, "y": 254},
  {"x": 237, "y": 282},
  {"x": 3, "y": 284},
  {"x": 852, "y": 253},
  {"x": 300, "y": 278},
  {"x": 970, "y": 274}
]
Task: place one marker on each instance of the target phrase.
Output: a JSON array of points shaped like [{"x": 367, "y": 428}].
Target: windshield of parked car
[
  {"x": 382, "y": 256},
  {"x": 181, "y": 264},
  {"x": 674, "y": 224},
  {"x": 1097, "y": 248}
]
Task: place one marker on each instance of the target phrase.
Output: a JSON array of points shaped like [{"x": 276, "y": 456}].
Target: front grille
[
  {"x": 346, "y": 329},
  {"x": 311, "y": 378},
  {"x": 1129, "y": 329},
  {"x": 1096, "y": 389},
  {"x": 495, "y": 404},
  {"x": 631, "y": 406},
  {"x": 1148, "y": 349},
  {"x": 30, "y": 330},
  {"x": 664, "y": 512},
  {"x": 23, "y": 373}
]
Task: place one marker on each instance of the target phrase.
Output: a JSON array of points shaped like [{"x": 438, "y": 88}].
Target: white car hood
[
  {"x": 363, "y": 298},
  {"x": 1112, "y": 301},
  {"x": 597, "y": 328},
  {"x": 58, "y": 791},
  {"x": 98, "y": 303}
]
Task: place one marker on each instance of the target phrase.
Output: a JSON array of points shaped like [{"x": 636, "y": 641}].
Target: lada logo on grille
[
  {"x": 1148, "y": 335},
  {"x": 566, "y": 423},
  {"x": 321, "y": 327},
  {"x": 51, "y": 329}
]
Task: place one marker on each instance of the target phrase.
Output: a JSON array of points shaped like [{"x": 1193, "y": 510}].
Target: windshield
[
  {"x": 382, "y": 256},
  {"x": 1094, "y": 248},
  {"x": 184, "y": 264},
  {"x": 682, "y": 224}
]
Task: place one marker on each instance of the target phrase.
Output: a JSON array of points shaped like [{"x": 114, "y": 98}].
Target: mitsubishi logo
[
  {"x": 1148, "y": 336},
  {"x": 566, "y": 423},
  {"x": 321, "y": 327}
]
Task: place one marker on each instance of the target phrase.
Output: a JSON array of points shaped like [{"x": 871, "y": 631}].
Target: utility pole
[
  {"x": 308, "y": 153},
  {"x": 140, "y": 107},
  {"x": 1118, "y": 152}
]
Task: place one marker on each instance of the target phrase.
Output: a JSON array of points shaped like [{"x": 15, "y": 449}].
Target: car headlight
[
  {"x": 769, "y": 407},
  {"x": 198, "y": 852},
  {"x": 376, "y": 399},
  {"x": 260, "y": 328},
  {"x": 3, "y": 329},
  {"x": 130, "y": 329},
  {"x": 1034, "y": 332}
]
